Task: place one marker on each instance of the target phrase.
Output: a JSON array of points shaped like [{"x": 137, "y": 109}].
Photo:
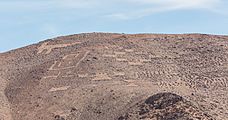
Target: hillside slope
[{"x": 104, "y": 76}]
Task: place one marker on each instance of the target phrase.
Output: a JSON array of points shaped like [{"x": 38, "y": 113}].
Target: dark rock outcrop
[{"x": 165, "y": 106}]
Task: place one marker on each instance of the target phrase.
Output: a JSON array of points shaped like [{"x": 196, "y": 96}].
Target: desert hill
[{"x": 104, "y": 76}]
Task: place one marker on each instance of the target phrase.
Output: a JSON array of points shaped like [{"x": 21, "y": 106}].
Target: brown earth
[{"x": 104, "y": 76}]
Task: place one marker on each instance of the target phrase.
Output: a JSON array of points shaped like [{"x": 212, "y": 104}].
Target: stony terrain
[{"x": 104, "y": 76}]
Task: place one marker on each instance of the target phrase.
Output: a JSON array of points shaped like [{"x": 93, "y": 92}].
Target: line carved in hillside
[{"x": 48, "y": 48}]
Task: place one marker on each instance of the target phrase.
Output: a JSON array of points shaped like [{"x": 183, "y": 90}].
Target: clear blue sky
[{"x": 23, "y": 22}]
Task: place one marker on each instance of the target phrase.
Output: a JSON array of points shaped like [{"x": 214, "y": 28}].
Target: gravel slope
[{"x": 104, "y": 76}]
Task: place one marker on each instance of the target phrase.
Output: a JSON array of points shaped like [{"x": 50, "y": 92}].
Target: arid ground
[{"x": 104, "y": 76}]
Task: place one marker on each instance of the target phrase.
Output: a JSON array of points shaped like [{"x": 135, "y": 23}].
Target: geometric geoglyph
[{"x": 63, "y": 67}]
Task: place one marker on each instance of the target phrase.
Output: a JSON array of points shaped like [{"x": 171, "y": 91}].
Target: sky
[{"x": 24, "y": 22}]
